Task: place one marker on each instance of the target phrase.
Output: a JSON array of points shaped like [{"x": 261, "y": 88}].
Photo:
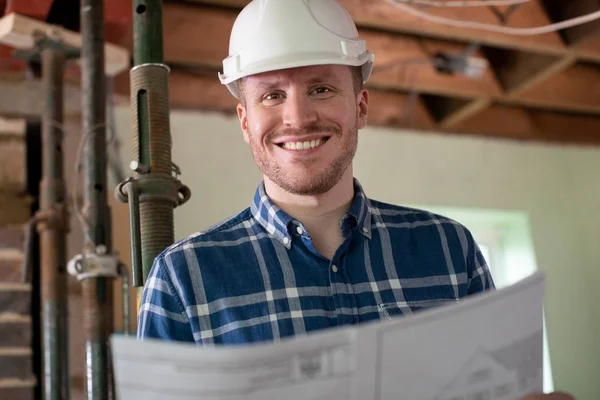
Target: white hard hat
[{"x": 270, "y": 35}]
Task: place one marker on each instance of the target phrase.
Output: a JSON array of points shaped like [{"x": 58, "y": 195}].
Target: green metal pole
[
  {"x": 154, "y": 191},
  {"x": 147, "y": 32},
  {"x": 152, "y": 136}
]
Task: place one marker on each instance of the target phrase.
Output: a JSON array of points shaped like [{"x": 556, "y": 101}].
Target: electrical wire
[
  {"x": 85, "y": 137},
  {"x": 465, "y": 3},
  {"x": 494, "y": 28}
]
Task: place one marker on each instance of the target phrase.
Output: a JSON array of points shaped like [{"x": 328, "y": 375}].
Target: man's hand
[{"x": 549, "y": 396}]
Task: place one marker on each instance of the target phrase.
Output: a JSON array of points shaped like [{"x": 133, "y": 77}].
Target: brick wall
[
  {"x": 17, "y": 380},
  {"x": 16, "y": 373}
]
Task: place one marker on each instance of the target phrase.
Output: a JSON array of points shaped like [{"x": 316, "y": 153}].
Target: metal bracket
[
  {"x": 43, "y": 42},
  {"x": 95, "y": 264},
  {"x": 147, "y": 186}
]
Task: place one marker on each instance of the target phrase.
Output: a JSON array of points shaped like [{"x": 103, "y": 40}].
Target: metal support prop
[
  {"x": 96, "y": 286},
  {"x": 154, "y": 190},
  {"x": 52, "y": 226}
]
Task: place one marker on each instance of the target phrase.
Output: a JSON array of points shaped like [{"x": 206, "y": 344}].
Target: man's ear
[
  {"x": 362, "y": 105},
  {"x": 243, "y": 117}
]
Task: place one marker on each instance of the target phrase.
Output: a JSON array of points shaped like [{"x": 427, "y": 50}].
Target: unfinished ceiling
[{"x": 528, "y": 87}]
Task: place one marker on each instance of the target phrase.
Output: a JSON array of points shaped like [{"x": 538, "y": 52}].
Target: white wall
[{"x": 558, "y": 187}]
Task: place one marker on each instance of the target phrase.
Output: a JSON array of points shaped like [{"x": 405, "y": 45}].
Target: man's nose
[{"x": 299, "y": 111}]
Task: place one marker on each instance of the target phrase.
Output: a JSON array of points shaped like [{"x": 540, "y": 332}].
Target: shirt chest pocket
[{"x": 393, "y": 310}]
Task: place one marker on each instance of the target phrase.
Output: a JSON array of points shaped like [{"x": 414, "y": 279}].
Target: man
[{"x": 312, "y": 251}]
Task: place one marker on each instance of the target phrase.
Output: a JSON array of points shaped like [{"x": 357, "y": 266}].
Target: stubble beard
[{"x": 319, "y": 182}]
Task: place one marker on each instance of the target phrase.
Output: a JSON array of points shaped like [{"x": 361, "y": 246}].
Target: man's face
[{"x": 302, "y": 125}]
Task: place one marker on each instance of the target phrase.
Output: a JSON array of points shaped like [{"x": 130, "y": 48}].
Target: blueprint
[
  {"x": 319, "y": 367},
  {"x": 486, "y": 347}
]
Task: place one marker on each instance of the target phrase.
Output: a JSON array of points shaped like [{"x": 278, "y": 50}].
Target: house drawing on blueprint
[{"x": 503, "y": 374}]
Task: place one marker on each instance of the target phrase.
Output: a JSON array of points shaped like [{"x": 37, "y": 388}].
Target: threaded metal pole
[
  {"x": 52, "y": 231},
  {"x": 151, "y": 125},
  {"x": 96, "y": 292}
]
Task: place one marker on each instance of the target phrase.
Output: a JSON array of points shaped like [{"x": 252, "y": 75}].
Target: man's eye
[
  {"x": 321, "y": 89},
  {"x": 272, "y": 96}
]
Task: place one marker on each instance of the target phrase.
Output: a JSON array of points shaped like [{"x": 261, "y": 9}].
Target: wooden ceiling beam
[
  {"x": 401, "y": 61},
  {"x": 404, "y": 62},
  {"x": 517, "y": 70},
  {"x": 199, "y": 92},
  {"x": 466, "y": 111},
  {"x": 576, "y": 88},
  {"x": 435, "y": 101},
  {"x": 380, "y": 14},
  {"x": 503, "y": 121},
  {"x": 563, "y": 10}
]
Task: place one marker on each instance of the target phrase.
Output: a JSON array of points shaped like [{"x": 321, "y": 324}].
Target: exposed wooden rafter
[
  {"x": 530, "y": 76},
  {"x": 530, "y": 81}
]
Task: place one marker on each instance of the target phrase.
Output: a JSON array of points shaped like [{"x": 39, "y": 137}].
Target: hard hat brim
[{"x": 297, "y": 61}]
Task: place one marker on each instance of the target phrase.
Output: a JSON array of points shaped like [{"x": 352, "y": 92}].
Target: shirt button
[
  {"x": 286, "y": 240},
  {"x": 334, "y": 268},
  {"x": 299, "y": 230},
  {"x": 365, "y": 229}
]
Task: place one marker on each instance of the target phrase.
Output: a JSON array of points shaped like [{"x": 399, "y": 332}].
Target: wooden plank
[
  {"x": 20, "y": 32},
  {"x": 563, "y": 10},
  {"x": 17, "y": 389},
  {"x": 15, "y": 298},
  {"x": 13, "y": 127},
  {"x": 541, "y": 75},
  {"x": 392, "y": 109},
  {"x": 10, "y": 254},
  {"x": 10, "y": 383},
  {"x": 380, "y": 14},
  {"x": 463, "y": 113},
  {"x": 588, "y": 50},
  {"x": 401, "y": 63},
  {"x": 577, "y": 129},
  {"x": 499, "y": 121},
  {"x": 15, "y": 330},
  {"x": 440, "y": 107},
  {"x": 184, "y": 21},
  {"x": 576, "y": 88},
  {"x": 509, "y": 122},
  {"x": 517, "y": 70}
]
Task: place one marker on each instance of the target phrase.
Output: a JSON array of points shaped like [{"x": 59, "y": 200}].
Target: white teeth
[{"x": 303, "y": 145}]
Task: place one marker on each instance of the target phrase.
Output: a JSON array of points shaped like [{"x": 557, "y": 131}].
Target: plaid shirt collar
[{"x": 279, "y": 224}]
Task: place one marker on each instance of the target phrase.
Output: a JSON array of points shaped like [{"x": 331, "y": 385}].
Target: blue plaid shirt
[{"x": 257, "y": 276}]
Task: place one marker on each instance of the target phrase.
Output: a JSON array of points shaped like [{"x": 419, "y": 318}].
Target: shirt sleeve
[
  {"x": 161, "y": 313},
  {"x": 479, "y": 274}
]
